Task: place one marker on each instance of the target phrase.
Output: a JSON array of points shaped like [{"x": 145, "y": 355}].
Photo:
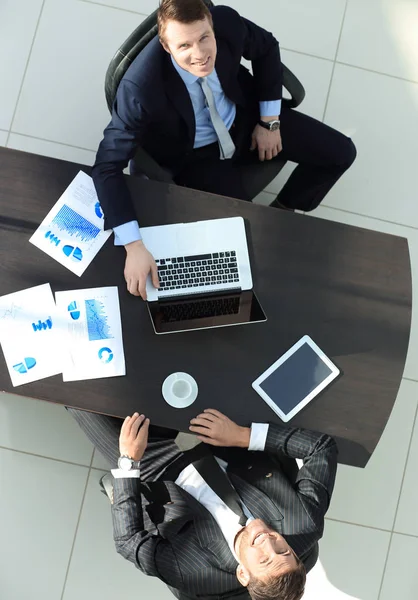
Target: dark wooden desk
[{"x": 348, "y": 288}]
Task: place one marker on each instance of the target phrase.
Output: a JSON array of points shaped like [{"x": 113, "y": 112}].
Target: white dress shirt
[{"x": 192, "y": 482}]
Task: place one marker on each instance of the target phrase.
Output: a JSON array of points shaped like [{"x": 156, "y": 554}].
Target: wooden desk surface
[{"x": 348, "y": 288}]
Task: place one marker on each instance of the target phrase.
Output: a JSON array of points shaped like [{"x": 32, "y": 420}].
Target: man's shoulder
[
  {"x": 224, "y": 16},
  {"x": 147, "y": 67}
]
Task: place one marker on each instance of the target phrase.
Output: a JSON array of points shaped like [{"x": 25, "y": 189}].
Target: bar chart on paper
[
  {"x": 72, "y": 232},
  {"x": 97, "y": 321}
]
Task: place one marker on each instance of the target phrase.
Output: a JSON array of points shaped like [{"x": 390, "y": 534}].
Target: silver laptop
[{"x": 205, "y": 276}]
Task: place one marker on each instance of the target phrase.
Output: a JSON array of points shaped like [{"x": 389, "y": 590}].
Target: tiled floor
[{"x": 359, "y": 63}]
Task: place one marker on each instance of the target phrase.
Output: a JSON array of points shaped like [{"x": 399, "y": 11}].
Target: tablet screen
[{"x": 295, "y": 378}]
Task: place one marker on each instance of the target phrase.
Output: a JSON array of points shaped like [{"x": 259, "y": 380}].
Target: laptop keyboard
[
  {"x": 199, "y": 270},
  {"x": 199, "y": 309}
]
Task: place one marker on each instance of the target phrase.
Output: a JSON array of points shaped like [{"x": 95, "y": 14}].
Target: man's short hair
[
  {"x": 184, "y": 11},
  {"x": 289, "y": 586}
]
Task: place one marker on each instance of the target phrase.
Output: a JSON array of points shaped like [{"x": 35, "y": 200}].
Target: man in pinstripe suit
[{"x": 168, "y": 521}]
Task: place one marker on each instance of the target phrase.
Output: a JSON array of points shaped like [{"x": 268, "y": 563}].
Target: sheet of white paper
[
  {"x": 72, "y": 232},
  {"x": 31, "y": 334},
  {"x": 93, "y": 333}
]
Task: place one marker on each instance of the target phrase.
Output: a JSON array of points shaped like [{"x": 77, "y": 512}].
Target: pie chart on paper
[{"x": 24, "y": 366}]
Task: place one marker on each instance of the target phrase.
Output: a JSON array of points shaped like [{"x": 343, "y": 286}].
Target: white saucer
[{"x": 176, "y": 401}]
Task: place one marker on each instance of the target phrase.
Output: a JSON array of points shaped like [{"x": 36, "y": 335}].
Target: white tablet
[{"x": 296, "y": 378}]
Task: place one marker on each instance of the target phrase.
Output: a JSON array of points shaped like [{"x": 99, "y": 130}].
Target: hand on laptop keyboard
[{"x": 139, "y": 262}]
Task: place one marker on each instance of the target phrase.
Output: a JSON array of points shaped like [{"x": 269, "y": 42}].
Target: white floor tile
[
  {"x": 303, "y": 25},
  {"x": 410, "y": 371},
  {"x": 102, "y": 574},
  {"x": 358, "y": 492},
  {"x": 351, "y": 563},
  {"x": 16, "y": 35},
  {"x": 69, "y": 106},
  {"x": 401, "y": 575},
  {"x": 3, "y": 138},
  {"x": 46, "y": 148},
  {"x": 40, "y": 504},
  {"x": 382, "y": 181},
  {"x": 381, "y": 35},
  {"x": 407, "y": 517},
  {"x": 315, "y": 76},
  {"x": 144, "y": 7},
  {"x": 42, "y": 428}
]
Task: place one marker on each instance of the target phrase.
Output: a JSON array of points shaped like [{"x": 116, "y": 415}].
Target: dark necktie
[{"x": 217, "y": 480}]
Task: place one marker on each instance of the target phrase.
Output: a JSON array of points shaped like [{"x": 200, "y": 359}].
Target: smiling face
[
  {"x": 192, "y": 45},
  {"x": 263, "y": 553}
]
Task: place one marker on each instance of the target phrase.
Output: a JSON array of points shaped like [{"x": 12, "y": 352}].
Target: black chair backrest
[{"x": 127, "y": 53}]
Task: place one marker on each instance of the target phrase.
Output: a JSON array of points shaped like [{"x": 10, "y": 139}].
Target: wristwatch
[
  {"x": 126, "y": 463},
  {"x": 270, "y": 125}
]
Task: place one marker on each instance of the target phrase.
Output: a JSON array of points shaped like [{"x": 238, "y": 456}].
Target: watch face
[
  {"x": 125, "y": 463},
  {"x": 274, "y": 125}
]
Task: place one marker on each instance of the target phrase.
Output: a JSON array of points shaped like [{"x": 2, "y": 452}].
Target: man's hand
[
  {"x": 139, "y": 262},
  {"x": 212, "y": 427},
  {"x": 269, "y": 143},
  {"x": 134, "y": 436}
]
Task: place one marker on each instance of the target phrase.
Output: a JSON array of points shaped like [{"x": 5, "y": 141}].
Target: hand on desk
[
  {"x": 133, "y": 436},
  {"x": 139, "y": 262},
  {"x": 212, "y": 427}
]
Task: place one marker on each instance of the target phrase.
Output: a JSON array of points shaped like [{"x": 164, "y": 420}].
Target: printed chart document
[
  {"x": 72, "y": 232},
  {"x": 31, "y": 334},
  {"x": 93, "y": 333}
]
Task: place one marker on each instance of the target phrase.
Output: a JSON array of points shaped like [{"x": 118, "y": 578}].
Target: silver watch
[
  {"x": 126, "y": 463},
  {"x": 270, "y": 125}
]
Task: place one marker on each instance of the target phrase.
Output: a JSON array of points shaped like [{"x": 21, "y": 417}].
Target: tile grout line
[
  {"x": 76, "y": 528},
  {"x": 359, "y": 525},
  {"x": 115, "y": 7},
  {"x": 397, "y": 505},
  {"x": 350, "y": 212},
  {"x": 334, "y": 62},
  {"x": 405, "y": 467},
  {"x": 25, "y": 71},
  {"x": 35, "y": 137},
  {"x": 66, "y": 462}
]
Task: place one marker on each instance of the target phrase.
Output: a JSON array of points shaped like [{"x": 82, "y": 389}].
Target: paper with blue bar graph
[
  {"x": 72, "y": 232},
  {"x": 31, "y": 334},
  {"x": 93, "y": 337}
]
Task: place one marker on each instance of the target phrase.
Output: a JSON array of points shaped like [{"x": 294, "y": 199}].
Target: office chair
[{"x": 259, "y": 176}]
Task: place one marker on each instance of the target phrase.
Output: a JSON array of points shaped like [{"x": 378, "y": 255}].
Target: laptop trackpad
[{"x": 192, "y": 239}]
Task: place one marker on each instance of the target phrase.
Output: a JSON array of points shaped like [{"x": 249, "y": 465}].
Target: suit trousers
[{"x": 322, "y": 155}]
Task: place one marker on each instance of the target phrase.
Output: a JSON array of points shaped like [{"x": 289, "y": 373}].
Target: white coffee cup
[{"x": 179, "y": 390}]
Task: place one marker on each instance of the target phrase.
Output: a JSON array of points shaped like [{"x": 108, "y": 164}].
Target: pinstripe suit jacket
[{"x": 168, "y": 534}]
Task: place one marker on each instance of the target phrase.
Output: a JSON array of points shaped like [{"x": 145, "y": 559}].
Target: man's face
[
  {"x": 192, "y": 45},
  {"x": 262, "y": 553}
]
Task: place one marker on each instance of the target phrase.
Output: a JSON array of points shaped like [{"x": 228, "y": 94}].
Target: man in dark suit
[
  {"x": 187, "y": 101},
  {"x": 234, "y": 526}
]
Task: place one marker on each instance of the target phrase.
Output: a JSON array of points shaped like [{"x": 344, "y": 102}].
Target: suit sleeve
[
  {"x": 121, "y": 138},
  {"x": 147, "y": 549},
  {"x": 262, "y": 49},
  {"x": 314, "y": 483}
]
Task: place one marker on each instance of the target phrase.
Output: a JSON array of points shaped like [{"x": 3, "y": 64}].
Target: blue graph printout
[
  {"x": 74, "y": 224},
  {"x": 97, "y": 323}
]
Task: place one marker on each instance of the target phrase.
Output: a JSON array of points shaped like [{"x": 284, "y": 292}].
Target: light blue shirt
[{"x": 205, "y": 132}]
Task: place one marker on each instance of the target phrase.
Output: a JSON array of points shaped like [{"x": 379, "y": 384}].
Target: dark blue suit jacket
[{"x": 153, "y": 107}]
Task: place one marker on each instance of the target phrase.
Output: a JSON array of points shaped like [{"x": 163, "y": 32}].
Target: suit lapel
[
  {"x": 210, "y": 535},
  {"x": 226, "y": 69},
  {"x": 179, "y": 96},
  {"x": 257, "y": 502}
]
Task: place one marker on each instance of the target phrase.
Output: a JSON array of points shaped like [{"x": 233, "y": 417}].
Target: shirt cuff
[
  {"x": 270, "y": 108},
  {"x": 258, "y": 436},
  {"x": 120, "y": 474},
  {"x": 127, "y": 233}
]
